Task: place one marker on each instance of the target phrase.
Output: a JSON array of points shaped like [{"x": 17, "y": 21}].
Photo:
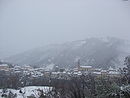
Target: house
[
  {"x": 85, "y": 68},
  {"x": 97, "y": 73},
  {"x": 4, "y": 67},
  {"x": 114, "y": 73},
  {"x": 27, "y": 67},
  {"x": 104, "y": 72}
]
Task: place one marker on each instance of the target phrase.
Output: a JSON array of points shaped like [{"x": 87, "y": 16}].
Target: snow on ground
[{"x": 28, "y": 91}]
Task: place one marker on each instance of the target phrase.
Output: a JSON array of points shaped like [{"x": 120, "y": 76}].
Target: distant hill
[{"x": 98, "y": 52}]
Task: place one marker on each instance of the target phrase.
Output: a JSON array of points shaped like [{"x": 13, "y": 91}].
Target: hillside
[{"x": 98, "y": 52}]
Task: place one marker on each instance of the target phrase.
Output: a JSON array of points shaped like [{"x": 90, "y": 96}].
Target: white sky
[{"x": 27, "y": 24}]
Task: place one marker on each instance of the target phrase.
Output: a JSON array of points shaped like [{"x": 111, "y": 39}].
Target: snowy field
[{"x": 34, "y": 91}]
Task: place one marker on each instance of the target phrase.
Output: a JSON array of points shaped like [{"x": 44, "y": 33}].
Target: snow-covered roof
[
  {"x": 5, "y": 65},
  {"x": 110, "y": 68},
  {"x": 113, "y": 72},
  {"x": 99, "y": 69},
  {"x": 86, "y": 66},
  {"x": 26, "y": 66},
  {"x": 98, "y": 73},
  {"x": 103, "y": 70},
  {"x": 17, "y": 71},
  {"x": 17, "y": 66},
  {"x": 55, "y": 73},
  {"x": 77, "y": 73}
]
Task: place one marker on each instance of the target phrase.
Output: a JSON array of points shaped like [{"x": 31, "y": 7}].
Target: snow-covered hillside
[
  {"x": 34, "y": 91},
  {"x": 98, "y": 52}
]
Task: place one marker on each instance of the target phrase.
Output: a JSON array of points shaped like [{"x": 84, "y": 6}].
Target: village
[
  {"x": 53, "y": 79},
  {"x": 56, "y": 72}
]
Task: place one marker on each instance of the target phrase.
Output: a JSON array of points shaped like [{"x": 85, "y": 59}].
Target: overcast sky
[{"x": 27, "y": 24}]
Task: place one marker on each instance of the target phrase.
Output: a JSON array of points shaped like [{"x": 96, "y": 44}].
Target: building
[
  {"x": 84, "y": 68},
  {"x": 4, "y": 67}
]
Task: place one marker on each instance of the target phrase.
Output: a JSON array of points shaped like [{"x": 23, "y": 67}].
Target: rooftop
[{"x": 86, "y": 66}]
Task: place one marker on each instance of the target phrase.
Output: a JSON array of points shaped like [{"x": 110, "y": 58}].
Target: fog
[{"x": 27, "y": 24}]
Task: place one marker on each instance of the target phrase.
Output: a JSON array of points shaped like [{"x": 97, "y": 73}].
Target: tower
[{"x": 78, "y": 64}]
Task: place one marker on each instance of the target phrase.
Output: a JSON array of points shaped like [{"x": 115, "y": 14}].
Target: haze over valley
[{"x": 97, "y": 52}]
